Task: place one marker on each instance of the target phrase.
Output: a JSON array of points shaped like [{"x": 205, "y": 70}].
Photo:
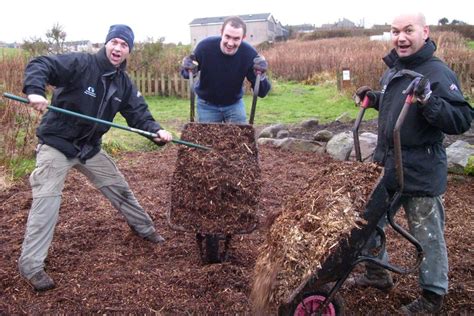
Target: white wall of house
[{"x": 257, "y": 32}]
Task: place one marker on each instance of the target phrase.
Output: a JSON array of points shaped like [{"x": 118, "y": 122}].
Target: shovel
[{"x": 104, "y": 122}]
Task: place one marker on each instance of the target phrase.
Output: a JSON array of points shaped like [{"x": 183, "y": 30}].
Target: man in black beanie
[{"x": 95, "y": 85}]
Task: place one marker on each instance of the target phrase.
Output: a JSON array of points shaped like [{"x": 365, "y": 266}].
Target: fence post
[
  {"x": 162, "y": 84},
  {"x": 170, "y": 87},
  {"x": 155, "y": 76},
  {"x": 148, "y": 79}
]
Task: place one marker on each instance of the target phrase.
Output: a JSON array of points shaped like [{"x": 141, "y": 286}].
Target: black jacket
[
  {"x": 88, "y": 84},
  {"x": 423, "y": 153}
]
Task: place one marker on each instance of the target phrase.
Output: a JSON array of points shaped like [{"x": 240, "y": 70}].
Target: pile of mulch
[
  {"x": 216, "y": 191},
  {"x": 101, "y": 267},
  {"x": 310, "y": 227}
]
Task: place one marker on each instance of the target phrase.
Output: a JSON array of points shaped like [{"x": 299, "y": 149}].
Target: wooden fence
[{"x": 155, "y": 84}]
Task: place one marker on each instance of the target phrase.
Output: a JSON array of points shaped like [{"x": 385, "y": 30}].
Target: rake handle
[{"x": 126, "y": 128}]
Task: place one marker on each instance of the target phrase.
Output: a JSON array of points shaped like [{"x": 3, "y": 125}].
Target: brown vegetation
[{"x": 302, "y": 60}]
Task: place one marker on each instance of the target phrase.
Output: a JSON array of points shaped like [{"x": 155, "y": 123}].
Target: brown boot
[
  {"x": 374, "y": 276},
  {"x": 41, "y": 281},
  {"x": 429, "y": 302}
]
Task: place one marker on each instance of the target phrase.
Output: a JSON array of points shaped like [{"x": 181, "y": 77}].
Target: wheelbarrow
[
  {"x": 224, "y": 206},
  {"x": 317, "y": 294}
]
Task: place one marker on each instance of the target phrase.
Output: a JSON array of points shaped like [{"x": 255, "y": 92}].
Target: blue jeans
[
  {"x": 425, "y": 217},
  {"x": 214, "y": 113}
]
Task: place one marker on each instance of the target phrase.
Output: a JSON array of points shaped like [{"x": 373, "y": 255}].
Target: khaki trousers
[{"x": 47, "y": 183}]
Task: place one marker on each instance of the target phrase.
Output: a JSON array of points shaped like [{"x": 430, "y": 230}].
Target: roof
[{"x": 220, "y": 19}]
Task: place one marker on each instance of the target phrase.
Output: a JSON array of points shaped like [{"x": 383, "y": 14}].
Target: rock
[
  {"x": 311, "y": 123},
  {"x": 368, "y": 142},
  {"x": 339, "y": 147},
  {"x": 283, "y": 134},
  {"x": 323, "y": 135},
  {"x": 293, "y": 144},
  {"x": 458, "y": 156},
  {"x": 271, "y": 131}
]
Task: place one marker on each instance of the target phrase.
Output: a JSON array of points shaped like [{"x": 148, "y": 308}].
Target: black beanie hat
[{"x": 121, "y": 31}]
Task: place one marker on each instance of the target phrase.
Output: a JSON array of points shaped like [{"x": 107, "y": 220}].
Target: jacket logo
[
  {"x": 90, "y": 91},
  {"x": 453, "y": 87},
  {"x": 383, "y": 89}
]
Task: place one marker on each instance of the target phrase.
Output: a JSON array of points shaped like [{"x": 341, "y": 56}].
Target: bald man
[{"x": 438, "y": 108}]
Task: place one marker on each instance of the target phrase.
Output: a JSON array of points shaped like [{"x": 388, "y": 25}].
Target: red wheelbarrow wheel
[{"x": 313, "y": 300}]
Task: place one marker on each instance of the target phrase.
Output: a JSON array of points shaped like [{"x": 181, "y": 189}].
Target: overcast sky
[{"x": 90, "y": 19}]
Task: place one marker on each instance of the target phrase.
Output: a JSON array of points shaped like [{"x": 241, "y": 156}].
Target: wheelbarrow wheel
[
  {"x": 210, "y": 253},
  {"x": 212, "y": 249},
  {"x": 310, "y": 302}
]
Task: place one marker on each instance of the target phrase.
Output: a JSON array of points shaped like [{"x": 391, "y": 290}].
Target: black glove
[
  {"x": 363, "y": 92},
  {"x": 190, "y": 64},
  {"x": 260, "y": 65},
  {"x": 420, "y": 87}
]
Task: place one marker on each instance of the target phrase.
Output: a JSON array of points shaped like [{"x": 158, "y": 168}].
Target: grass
[
  {"x": 287, "y": 103},
  {"x": 9, "y": 52},
  {"x": 470, "y": 44}
]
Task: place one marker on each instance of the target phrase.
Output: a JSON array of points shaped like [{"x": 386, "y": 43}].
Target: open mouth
[
  {"x": 403, "y": 47},
  {"x": 116, "y": 57}
]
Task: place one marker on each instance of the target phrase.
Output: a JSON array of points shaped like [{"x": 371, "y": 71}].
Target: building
[
  {"x": 341, "y": 24},
  {"x": 386, "y": 36},
  {"x": 262, "y": 27},
  {"x": 79, "y": 46}
]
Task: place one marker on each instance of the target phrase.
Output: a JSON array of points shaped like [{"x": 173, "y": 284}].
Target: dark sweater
[{"x": 222, "y": 76}]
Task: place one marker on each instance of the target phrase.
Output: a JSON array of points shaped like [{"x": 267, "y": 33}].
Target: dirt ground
[{"x": 100, "y": 266}]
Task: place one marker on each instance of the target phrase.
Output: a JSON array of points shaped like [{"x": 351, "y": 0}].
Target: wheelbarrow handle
[
  {"x": 355, "y": 130},
  {"x": 104, "y": 122},
  {"x": 256, "y": 88},
  {"x": 191, "y": 96}
]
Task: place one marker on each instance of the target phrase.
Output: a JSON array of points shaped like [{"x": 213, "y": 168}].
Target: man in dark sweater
[
  {"x": 224, "y": 62},
  {"x": 438, "y": 108}
]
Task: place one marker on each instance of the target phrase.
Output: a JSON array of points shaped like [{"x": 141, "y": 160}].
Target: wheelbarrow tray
[
  {"x": 216, "y": 191},
  {"x": 342, "y": 258}
]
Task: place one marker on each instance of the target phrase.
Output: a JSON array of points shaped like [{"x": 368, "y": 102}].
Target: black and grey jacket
[
  {"x": 423, "y": 153},
  {"x": 88, "y": 84}
]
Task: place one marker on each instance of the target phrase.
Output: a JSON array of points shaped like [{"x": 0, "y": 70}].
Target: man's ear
[
  {"x": 244, "y": 37},
  {"x": 426, "y": 32}
]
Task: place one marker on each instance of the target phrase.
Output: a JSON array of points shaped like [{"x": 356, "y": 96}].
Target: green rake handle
[{"x": 126, "y": 128}]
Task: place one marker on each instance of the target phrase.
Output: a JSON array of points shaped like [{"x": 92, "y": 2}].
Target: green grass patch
[
  {"x": 6, "y": 52},
  {"x": 293, "y": 103},
  {"x": 21, "y": 166},
  {"x": 470, "y": 44},
  {"x": 286, "y": 103}
]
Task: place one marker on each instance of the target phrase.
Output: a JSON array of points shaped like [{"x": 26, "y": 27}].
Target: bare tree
[
  {"x": 56, "y": 38},
  {"x": 443, "y": 21}
]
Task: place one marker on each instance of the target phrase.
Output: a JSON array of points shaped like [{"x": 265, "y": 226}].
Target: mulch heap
[
  {"x": 309, "y": 228},
  {"x": 216, "y": 191}
]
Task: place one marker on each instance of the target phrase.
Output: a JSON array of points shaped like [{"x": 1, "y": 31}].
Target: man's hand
[
  {"x": 190, "y": 64},
  {"x": 163, "y": 137},
  {"x": 363, "y": 92},
  {"x": 38, "y": 102},
  {"x": 420, "y": 88},
  {"x": 260, "y": 65}
]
